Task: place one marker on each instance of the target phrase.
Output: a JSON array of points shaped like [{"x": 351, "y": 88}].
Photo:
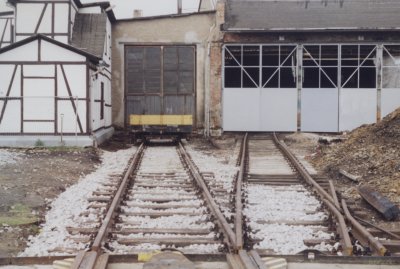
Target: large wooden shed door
[{"x": 160, "y": 80}]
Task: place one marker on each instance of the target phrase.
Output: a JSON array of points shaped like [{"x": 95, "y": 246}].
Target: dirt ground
[
  {"x": 28, "y": 186},
  {"x": 370, "y": 152}
]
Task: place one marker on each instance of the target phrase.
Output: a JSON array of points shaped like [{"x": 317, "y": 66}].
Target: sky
[{"x": 124, "y": 8}]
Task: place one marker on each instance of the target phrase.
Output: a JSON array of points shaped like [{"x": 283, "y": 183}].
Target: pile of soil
[{"x": 371, "y": 152}]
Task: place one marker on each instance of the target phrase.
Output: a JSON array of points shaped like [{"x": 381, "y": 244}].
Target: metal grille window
[
  {"x": 320, "y": 66},
  {"x": 391, "y": 67},
  {"x": 279, "y": 66},
  {"x": 358, "y": 64},
  {"x": 242, "y": 66},
  {"x": 254, "y": 66}
]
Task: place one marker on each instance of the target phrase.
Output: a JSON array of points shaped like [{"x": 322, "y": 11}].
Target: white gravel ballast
[
  {"x": 66, "y": 210},
  {"x": 271, "y": 211}
]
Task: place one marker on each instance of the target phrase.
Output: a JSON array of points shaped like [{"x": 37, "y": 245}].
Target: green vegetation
[{"x": 18, "y": 215}]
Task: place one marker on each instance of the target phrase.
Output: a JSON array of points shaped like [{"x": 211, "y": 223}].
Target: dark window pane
[
  {"x": 329, "y": 56},
  {"x": 329, "y": 78},
  {"x": 349, "y": 77},
  {"x": 135, "y": 83},
  {"x": 186, "y": 58},
  {"x": 270, "y": 56},
  {"x": 233, "y": 55},
  {"x": 270, "y": 77},
  {"x": 251, "y": 55},
  {"x": 152, "y": 81},
  {"x": 368, "y": 77},
  {"x": 170, "y": 82},
  {"x": 288, "y": 78},
  {"x": 251, "y": 77},
  {"x": 311, "y": 78},
  {"x": 350, "y": 55},
  {"x": 312, "y": 52},
  {"x": 367, "y": 53},
  {"x": 233, "y": 77},
  {"x": 170, "y": 58},
  {"x": 186, "y": 82},
  {"x": 288, "y": 56},
  {"x": 152, "y": 59}
]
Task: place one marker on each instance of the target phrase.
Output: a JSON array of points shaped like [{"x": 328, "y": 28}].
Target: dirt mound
[{"x": 371, "y": 152}]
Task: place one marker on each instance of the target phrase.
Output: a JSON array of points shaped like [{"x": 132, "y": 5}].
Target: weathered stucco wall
[{"x": 194, "y": 29}]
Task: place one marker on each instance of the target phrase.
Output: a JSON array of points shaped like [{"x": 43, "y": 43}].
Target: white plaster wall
[
  {"x": 61, "y": 18},
  {"x": 26, "y": 53},
  {"x": 38, "y": 127},
  {"x": 390, "y": 99},
  {"x": 278, "y": 110},
  {"x": 320, "y": 110},
  {"x": 12, "y": 117},
  {"x": 6, "y": 72},
  {"x": 39, "y": 99},
  {"x": 46, "y": 23},
  {"x": 357, "y": 107},
  {"x": 76, "y": 75},
  {"x": 39, "y": 70},
  {"x": 28, "y": 15},
  {"x": 70, "y": 123},
  {"x": 53, "y": 52}
]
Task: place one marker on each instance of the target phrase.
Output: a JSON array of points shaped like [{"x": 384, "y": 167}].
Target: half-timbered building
[{"x": 56, "y": 77}]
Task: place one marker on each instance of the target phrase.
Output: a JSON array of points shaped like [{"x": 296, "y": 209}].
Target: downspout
[{"x": 207, "y": 70}]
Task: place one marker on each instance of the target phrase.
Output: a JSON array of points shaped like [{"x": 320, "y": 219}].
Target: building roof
[
  {"x": 89, "y": 33},
  {"x": 105, "y": 5},
  {"x": 311, "y": 15},
  {"x": 89, "y": 56}
]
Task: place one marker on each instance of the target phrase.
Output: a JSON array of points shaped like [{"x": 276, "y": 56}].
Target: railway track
[
  {"x": 282, "y": 215},
  {"x": 163, "y": 201}
]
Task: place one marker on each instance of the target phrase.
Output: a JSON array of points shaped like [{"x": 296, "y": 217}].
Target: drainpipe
[
  {"x": 207, "y": 71},
  {"x": 179, "y": 6}
]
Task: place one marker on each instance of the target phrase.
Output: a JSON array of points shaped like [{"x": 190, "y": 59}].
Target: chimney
[
  {"x": 179, "y": 6},
  {"x": 137, "y": 13}
]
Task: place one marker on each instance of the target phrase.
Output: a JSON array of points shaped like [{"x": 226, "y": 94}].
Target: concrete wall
[{"x": 192, "y": 29}]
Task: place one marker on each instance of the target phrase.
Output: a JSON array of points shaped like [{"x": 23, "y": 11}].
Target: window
[
  {"x": 391, "y": 67},
  {"x": 320, "y": 66},
  {"x": 254, "y": 66},
  {"x": 358, "y": 66},
  {"x": 102, "y": 101}
]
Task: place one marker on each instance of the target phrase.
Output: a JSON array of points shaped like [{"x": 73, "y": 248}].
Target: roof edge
[
  {"x": 91, "y": 57},
  {"x": 167, "y": 16},
  {"x": 103, "y": 5}
]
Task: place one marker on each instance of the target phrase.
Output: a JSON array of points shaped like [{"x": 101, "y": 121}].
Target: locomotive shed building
[
  {"x": 320, "y": 66},
  {"x": 245, "y": 65}
]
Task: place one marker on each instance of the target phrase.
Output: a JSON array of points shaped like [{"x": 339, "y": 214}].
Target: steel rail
[
  {"x": 222, "y": 222},
  {"x": 88, "y": 259},
  {"x": 381, "y": 250},
  {"x": 239, "y": 204},
  {"x": 359, "y": 229},
  {"x": 303, "y": 172}
]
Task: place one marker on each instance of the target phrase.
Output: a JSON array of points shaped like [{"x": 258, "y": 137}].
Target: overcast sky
[{"x": 124, "y": 8}]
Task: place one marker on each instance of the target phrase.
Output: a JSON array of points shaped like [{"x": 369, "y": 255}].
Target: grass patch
[{"x": 18, "y": 215}]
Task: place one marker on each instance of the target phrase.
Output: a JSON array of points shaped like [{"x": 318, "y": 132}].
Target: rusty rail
[
  {"x": 88, "y": 259},
  {"x": 376, "y": 245},
  {"x": 359, "y": 230},
  {"x": 222, "y": 222},
  {"x": 330, "y": 201},
  {"x": 239, "y": 204}
]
